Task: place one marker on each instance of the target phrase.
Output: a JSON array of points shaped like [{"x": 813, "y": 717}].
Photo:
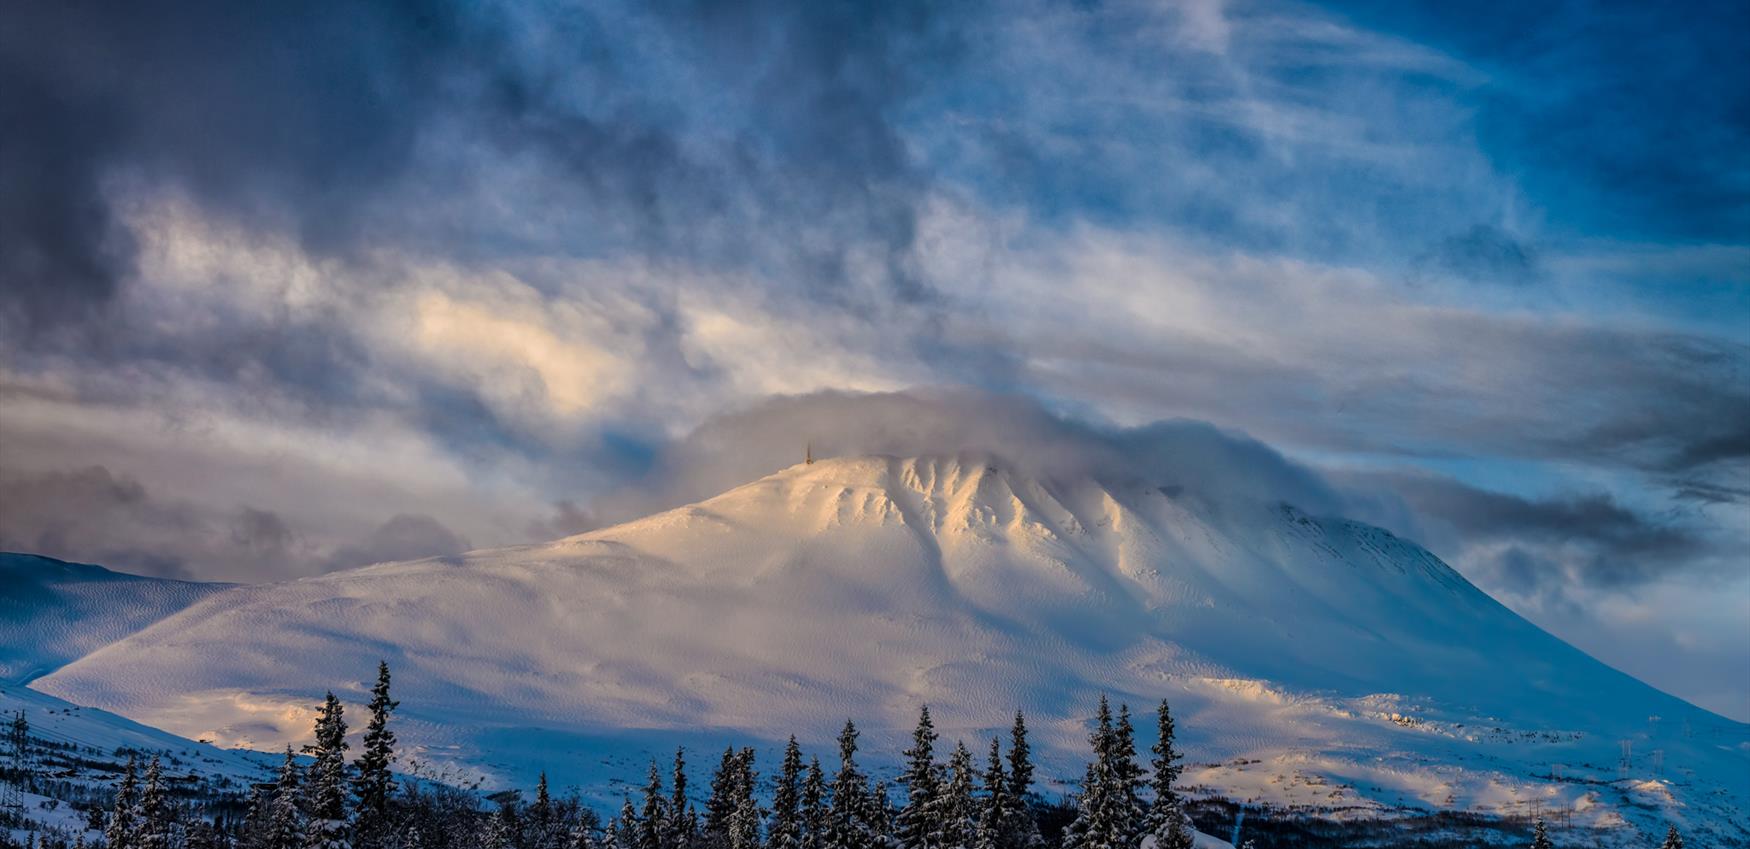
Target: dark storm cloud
[
  {"x": 677, "y": 129},
  {"x": 567, "y": 519},
  {"x": 1604, "y": 543},
  {"x": 91, "y": 515},
  {"x": 755, "y": 134},
  {"x": 279, "y": 111},
  {"x": 403, "y": 537}
]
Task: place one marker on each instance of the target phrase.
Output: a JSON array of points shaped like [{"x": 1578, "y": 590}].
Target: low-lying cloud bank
[{"x": 742, "y": 445}]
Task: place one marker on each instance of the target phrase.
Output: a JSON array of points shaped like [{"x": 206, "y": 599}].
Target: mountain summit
[{"x": 1311, "y": 660}]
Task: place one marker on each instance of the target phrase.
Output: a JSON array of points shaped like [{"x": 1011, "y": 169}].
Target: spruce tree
[
  {"x": 882, "y": 815},
  {"x": 1023, "y": 831},
  {"x": 1673, "y": 840},
  {"x": 848, "y": 826},
  {"x": 919, "y": 822},
  {"x": 623, "y": 830},
  {"x": 720, "y": 806},
  {"x": 119, "y": 832},
  {"x": 815, "y": 814},
  {"x": 155, "y": 827},
  {"x": 375, "y": 782},
  {"x": 653, "y": 822},
  {"x": 1131, "y": 812},
  {"x": 786, "y": 828},
  {"x": 1166, "y": 814},
  {"x": 997, "y": 812},
  {"x": 326, "y": 827},
  {"x": 1540, "y": 836},
  {"x": 958, "y": 811},
  {"x": 285, "y": 825},
  {"x": 540, "y": 831},
  {"x": 255, "y": 822},
  {"x": 683, "y": 821},
  {"x": 500, "y": 829},
  {"x": 1101, "y": 817},
  {"x": 744, "y": 823},
  {"x": 583, "y": 832}
]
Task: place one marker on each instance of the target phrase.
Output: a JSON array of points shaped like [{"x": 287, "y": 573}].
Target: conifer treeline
[
  {"x": 948, "y": 804},
  {"x": 325, "y": 803}
]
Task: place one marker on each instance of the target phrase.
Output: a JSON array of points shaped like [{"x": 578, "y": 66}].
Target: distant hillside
[{"x": 53, "y": 612}]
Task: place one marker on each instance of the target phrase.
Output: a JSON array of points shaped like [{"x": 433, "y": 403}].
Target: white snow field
[{"x": 1311, "y": 661}]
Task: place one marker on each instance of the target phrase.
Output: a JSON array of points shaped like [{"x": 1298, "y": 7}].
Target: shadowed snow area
[
  {"x": 52, "y": 612},
  {"x": 1310, "y": 660}
]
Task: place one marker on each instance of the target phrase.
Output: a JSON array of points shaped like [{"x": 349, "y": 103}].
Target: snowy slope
[
  {"x": 52, "y": 612},
  {"x": 83, "y": 750},
  {"x": 1311, "y": 661},
  {"x": 106, "y": 737}
]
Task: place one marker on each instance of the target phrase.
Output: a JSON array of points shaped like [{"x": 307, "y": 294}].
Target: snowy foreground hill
[{"x": 1311, "y": 661}]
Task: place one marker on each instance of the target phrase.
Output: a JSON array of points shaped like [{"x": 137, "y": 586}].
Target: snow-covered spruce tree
[
  {"x": 326, "y": 790},
  {"x": 255, "y": 822},
  {"x": 653, "y": 825},
  {"x": 540, "y": 828},
  {"x": 375, "y": 782},
  {"x": 786, "y": 827},
  {"x": 157, "y": 822},
  {"x": 501, "y": 829},
  {"x": 623, "y": 829},
  {"x": 881, "y": 816},
  {"x": 744, "y": 823},
  {"x": 1166, "y": 814},
  {"x": 1132, "y": 813},
  {"x": 683, "y": 820},
  {"x": 1673, "y": 840},
  {"x": 1540, "y": 836},
  {"x": 1103, "y": 817},
  {"x": 584, "y": 831},
  {"x": 720, "y": 805},
  {"x": 815, "y": 813},
  {"x": 285, "y": 823},
  {"x": 958, "y": 816},
  {"x": 119, "y": 832},
  {"x": 1023, "y": 831},
  {"x": 848, "y": 825},
  {"x": 996, "y": 811},
  {"x": 919, "y": 823}
]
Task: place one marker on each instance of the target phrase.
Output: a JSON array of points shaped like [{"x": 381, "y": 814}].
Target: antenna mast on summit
[{"x": 808, "y": 454}]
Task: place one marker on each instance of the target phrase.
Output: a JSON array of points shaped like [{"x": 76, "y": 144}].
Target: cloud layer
[{"x": 292, "y": 289}]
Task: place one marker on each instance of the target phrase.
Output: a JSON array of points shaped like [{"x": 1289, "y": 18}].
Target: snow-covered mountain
[
  {"x": 52, "y": 611},
  {"x": 1310, "y": 660}
]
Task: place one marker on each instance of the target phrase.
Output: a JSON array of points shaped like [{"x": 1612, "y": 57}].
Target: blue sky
[{"x": 287, "y": 289}]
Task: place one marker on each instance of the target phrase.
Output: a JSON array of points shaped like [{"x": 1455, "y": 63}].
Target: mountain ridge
[
  {"x": 55, "y": 611},
  {"x": 1329, "y": 651}
]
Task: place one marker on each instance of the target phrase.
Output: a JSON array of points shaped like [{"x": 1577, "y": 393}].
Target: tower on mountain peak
[{"x": 808, "y": 454}]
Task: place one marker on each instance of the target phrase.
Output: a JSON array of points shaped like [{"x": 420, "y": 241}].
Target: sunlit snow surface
[{"x": 1309, "y": 660}]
